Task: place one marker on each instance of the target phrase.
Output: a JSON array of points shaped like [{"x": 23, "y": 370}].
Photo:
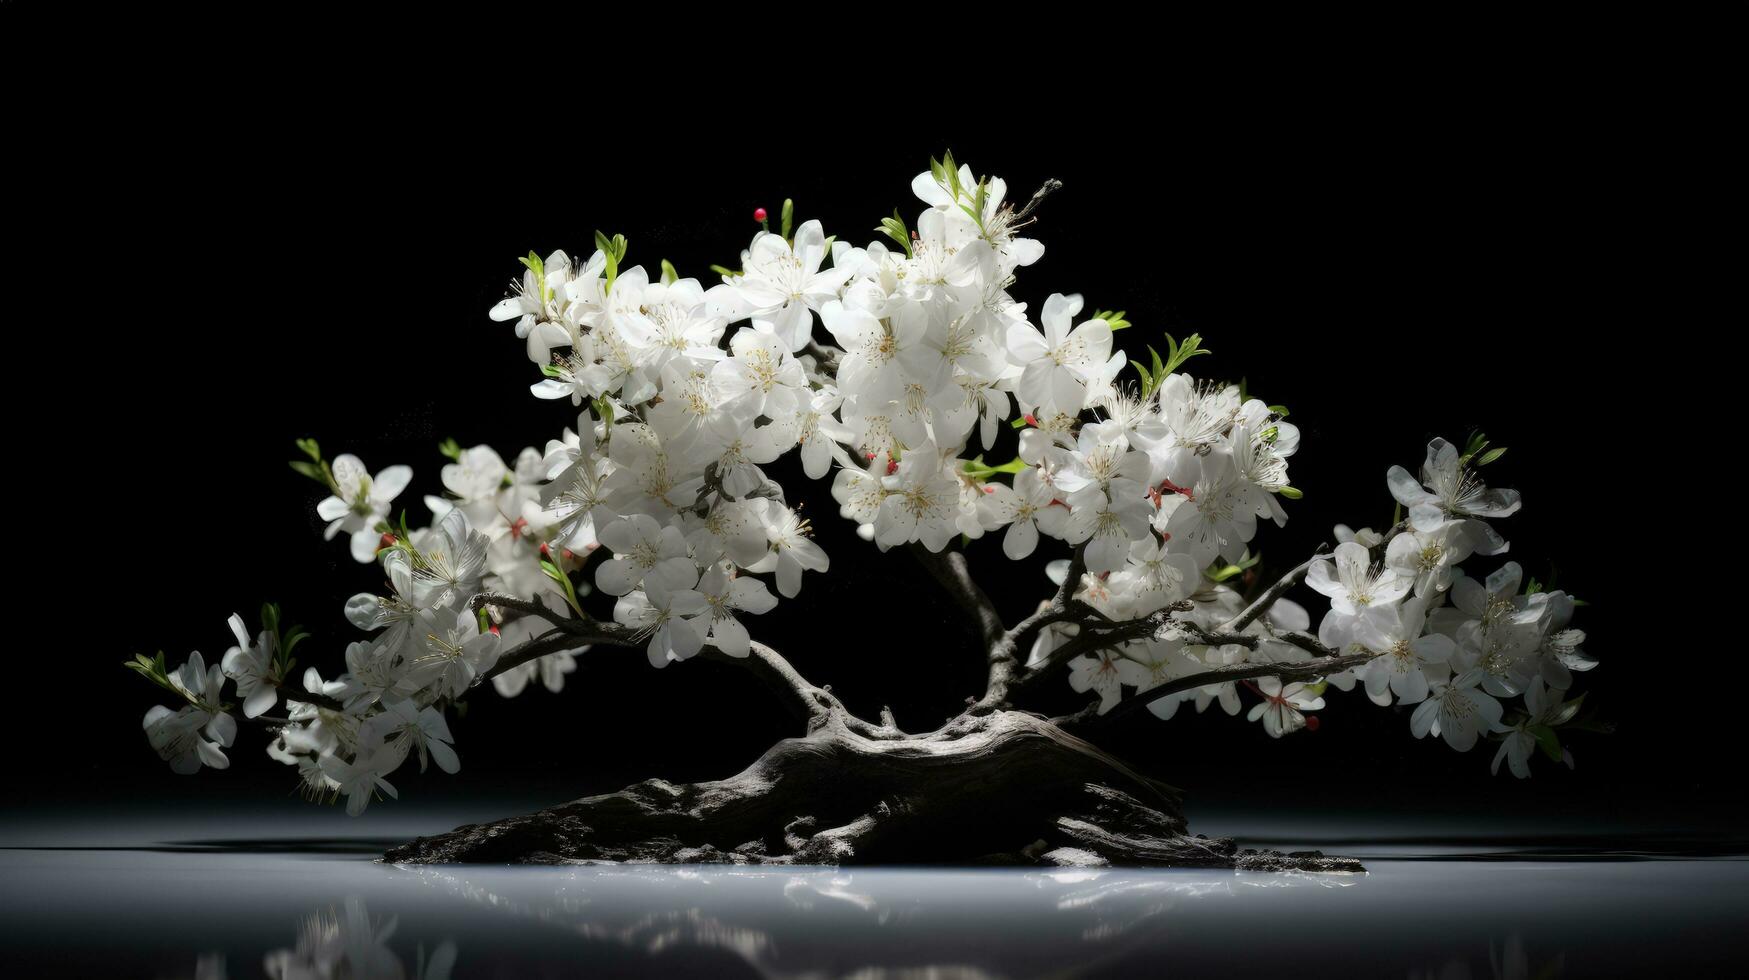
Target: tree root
[{"x": 1002, "y": 788}]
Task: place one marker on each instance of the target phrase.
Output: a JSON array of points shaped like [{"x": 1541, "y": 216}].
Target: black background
[{"x": 1420, "y": 261}]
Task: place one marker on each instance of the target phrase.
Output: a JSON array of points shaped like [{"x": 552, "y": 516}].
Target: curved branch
[
  {"x": 1302, "y": 670},
  {"x": 949, "y": 569},
  {"x": 528, "y": 607},
  {"x": 1274, "y": 592},
  {"x": 1100, "y": 636},
  {"x": 814, "y": 706},
  {"x": 1004, "y": 653},
  {"x": 1099, "y": 633},
  {"x": 534, "y": 648}
]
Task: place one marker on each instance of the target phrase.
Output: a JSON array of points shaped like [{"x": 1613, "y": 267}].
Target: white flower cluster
[{"x": 882, "y": 365}]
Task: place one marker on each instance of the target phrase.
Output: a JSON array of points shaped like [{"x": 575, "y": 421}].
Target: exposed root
[{"x": 1002, "y": 788}]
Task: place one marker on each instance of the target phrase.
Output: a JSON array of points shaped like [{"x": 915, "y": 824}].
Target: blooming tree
[{"x": 891, "y": 368}]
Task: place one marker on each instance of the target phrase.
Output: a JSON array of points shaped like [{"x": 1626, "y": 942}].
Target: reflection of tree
[
  {"x": 334, "y": 945},
  {"x": 1511, "y": 963},
  {"x": 1102, "y": 908},
  {"x": 800, "y": 925}
]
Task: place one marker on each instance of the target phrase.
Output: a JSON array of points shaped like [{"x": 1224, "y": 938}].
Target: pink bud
[
  {"x": 758, "y": 214},
  {"x": 1311, "y": 723}
]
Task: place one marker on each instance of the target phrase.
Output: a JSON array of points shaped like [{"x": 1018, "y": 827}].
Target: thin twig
[
  {"x": 1274, "y": 592},
  {"x": 1289, "y": 671}
]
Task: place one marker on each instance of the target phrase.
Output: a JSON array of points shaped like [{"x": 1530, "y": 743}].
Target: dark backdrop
[{"x": 1421, "y": 264}]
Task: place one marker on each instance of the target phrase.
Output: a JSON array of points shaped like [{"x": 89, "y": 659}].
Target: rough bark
[
  {"x": 1005, "y": 787},
  {"x": 992, "y": 786}
]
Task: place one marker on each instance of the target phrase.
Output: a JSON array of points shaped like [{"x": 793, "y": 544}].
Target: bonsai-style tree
[{"x": 658, "y": 499}]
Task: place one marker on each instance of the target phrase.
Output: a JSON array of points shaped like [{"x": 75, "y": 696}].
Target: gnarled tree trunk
[
  {"x": 1005, "y": 787},
  {"x": 995, "y": 785}
]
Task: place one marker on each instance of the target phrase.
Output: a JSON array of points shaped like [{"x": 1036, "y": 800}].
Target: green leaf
[
  {"x": 535, "y": 265},
  {"x": 539, "y": 268},
  {"x": 1291, "y": 493},
  {"x": 1113, "y": 319},
  {"x": 1280, "y": 410},
  {"x": 553, "y": 572},
  {"x": 310, "y": 470},
  {"x": 976, "y": 469},
  {"x": 1568, "y": 711},
  {"x": 895, "y": 229},
  {"x": 1491, "y": 455},
  {"x": 951, "y": 171},
  {"x": 1177, "y": 354},
  {"x": 310, "y": 449},
  {"x": 788, "y": 217},
  {"x": 1147, "y": 379},
  {"x": 291, "y": 641},
  {"x": 1221, "y": 573},
  {"x": 450, "y": 448},
  {"x": 724, "y": 272},
  {"x": 1547, "y": 740},
  {"x": 668, "y": 273},
  {"x": 615, "y": 250},
  {"x": 551, "y": 371}
]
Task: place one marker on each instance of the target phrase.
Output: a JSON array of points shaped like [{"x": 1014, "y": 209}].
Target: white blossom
[{"x": 360, "y": 502}]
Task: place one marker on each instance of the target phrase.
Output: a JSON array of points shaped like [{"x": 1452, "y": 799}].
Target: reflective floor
[{"x": 249, "y": 905}]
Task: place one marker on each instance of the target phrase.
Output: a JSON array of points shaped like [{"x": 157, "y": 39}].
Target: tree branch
[
  {"x": 1004, "y": 649},
  {"x": 1103, "y": 635},
  {"x": 1274, "y": 592},
  {"x": 1099, "y": 633},
  {"x": 815, "y": 706},
  {"x": 949, "y": 569},
  {"x": 534, "y": 648},
  {"x": 828, "y": 357},
  {"x": 527, "y": 607},
  {"x": 1377, "y": 551},
  {"x": 1291, "y": 671}
]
